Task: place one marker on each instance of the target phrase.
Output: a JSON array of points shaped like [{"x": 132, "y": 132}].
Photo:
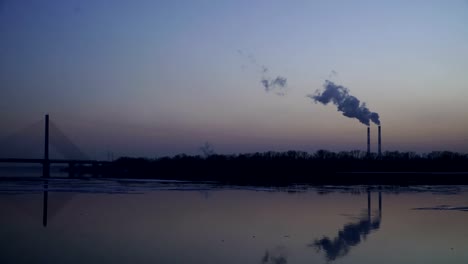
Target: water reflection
[
  {"x": 85, "y": 218},
  {"x": 351, "y": 234},
  {"x": 57, "y": 204},
  {"x": 45, "y": 203},
  {"x": 278, "y": 255}
]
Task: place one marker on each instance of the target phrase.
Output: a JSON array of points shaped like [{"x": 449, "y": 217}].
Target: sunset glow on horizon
[{"x": 154, "y": 78}]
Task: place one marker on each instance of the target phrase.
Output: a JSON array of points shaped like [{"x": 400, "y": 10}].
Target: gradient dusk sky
[{"x": 152, "y": 78}]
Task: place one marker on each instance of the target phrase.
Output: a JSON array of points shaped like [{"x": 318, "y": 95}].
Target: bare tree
[{"x": 207, "y": 149}]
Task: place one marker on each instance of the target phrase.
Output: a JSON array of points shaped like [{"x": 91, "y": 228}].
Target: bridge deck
[{"x": 41, "y": 161}]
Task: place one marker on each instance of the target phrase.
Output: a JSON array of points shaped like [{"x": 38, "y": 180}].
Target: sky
[{"x": 155, "y": 78}]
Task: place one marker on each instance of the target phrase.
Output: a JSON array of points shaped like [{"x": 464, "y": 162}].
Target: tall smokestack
[
  {"x": 368, "y": 140},
  {"x": 380, "y": 141}
]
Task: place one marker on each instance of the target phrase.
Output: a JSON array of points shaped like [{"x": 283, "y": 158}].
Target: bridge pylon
[{"x": 46, "y": 164}]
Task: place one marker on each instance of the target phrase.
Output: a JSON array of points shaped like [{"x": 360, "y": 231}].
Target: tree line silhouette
[{"x": 321, "y": 167}]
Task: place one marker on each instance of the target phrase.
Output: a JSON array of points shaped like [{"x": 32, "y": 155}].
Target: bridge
[{"x": 75, "y": 167}]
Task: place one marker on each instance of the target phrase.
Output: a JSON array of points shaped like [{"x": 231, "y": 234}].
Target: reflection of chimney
[
  {"x": 380, "y": 204},
  {"x": 368, "y": 205},
  {"x": 380, "y": 141},
  {"x": 368, "y": 140}
]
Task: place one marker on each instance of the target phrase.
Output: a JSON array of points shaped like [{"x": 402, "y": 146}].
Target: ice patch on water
[
  {"x": 138, "y": 186},
  {"x": 444, "y": 208}
]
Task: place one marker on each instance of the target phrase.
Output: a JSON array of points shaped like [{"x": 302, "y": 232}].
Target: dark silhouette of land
[
  {"x": 268, "y": 168},
  {"x": 280, "y": 168}
]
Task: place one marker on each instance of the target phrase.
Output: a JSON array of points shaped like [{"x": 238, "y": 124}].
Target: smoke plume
[
  {"x": 277, "y": 85},
  {"x": 349, "y": 105}
]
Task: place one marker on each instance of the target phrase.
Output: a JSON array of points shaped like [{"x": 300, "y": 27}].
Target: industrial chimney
[
  {"x": 368, "y": 140},
  {"x": 380, "y": 141}
]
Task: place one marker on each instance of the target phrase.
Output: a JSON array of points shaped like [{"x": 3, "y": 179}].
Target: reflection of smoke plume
[
  {"x": 346, "y": 103},
  {"x": 277, "y": 85},
  {"x": 278, "y": 255},
  {"x": 351, "y": 235}
]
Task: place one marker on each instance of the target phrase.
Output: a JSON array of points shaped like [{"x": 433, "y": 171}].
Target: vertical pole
[
  {"x": 46, "y": 165},
  {"x": 380, "y": 141},
  {"x": 368, "y": 204},
  {"x": 368, "y": 141},
  {"x": 45, "y": 203},
  {"x": 46, "y": 171},
  {"x": 380, "y": 204}
]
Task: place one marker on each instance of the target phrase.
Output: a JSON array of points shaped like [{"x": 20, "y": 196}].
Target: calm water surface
[{"x": 110, "y": 221}]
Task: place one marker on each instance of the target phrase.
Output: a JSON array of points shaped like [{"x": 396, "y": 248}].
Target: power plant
[
  {"x": 379, "y": 141},
  {"x": 350, "y": 107}
]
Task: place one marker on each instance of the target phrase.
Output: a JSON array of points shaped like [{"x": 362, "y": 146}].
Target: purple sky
[{"x": 152, "y": 78}]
